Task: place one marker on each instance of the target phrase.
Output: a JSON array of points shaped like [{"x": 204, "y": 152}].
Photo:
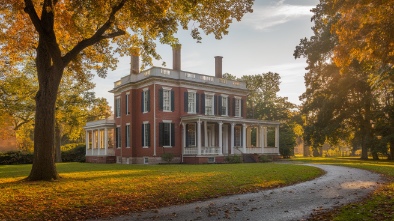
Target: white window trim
[
  {"x": 165, "y": 89},
  {"x": 239, "y": 101},
  {"x": 195, "y": 101},
  {"x": 213, "y": 103},
  {"x": 118, "y": 109},
  {"x": 145, "y": 99},
  {"x": 224, "y": 96}
]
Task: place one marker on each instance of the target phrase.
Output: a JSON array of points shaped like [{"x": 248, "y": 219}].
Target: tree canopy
[
  {"x": 83, "y": 36},
  {"x": 348, "y": 84}
]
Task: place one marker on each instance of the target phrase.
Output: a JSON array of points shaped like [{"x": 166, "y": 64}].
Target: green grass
[
  {"x": 379, "y": 206},
  {"x": 101, "y": 190}
]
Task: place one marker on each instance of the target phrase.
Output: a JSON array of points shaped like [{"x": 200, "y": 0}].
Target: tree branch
[
  {"x": 98, "y": 36},
  {"x": 30, "y": 10}
]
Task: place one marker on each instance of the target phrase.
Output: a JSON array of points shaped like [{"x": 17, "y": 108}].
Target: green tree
[
  {"x": 79, "y": 36},
  {"x": 339, "y": 103}
]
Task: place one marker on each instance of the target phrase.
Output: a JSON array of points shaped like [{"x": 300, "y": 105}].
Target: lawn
[
  {"x": 103, "y": 190},
  {"x": 379, "y": 206}
]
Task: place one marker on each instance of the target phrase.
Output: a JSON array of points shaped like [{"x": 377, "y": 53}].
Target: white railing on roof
[{"x": 179, "y": 75}]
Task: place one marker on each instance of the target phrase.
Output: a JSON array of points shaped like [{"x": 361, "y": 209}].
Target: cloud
[{"x": 265, "y": 17}]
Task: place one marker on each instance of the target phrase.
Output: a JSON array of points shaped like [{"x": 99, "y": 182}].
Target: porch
[
  {"x": 219, "y": 136},
  {"x": 99, "y": 141}
]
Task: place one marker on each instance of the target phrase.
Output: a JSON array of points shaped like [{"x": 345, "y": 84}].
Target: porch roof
[
  {"x": 105, "y": 123},
  {"x": 227, "y": 119}
]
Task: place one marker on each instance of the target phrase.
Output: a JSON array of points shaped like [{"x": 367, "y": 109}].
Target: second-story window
[
  {"x": 145, "y": 100},
  {"x": 237, "y": 107},
  {"x": 224, "y": 107},
  {"x": 166, "y": 96},
  {"x": 117, "y": 107},
  {"x": 127, "y": 104},
  {"x": 166, "y": 100},
  {"x": 209, "y": 104}
]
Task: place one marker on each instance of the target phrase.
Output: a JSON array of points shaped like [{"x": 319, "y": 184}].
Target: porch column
[
  {"x": 92, "y": 150},
  {"x": 183, "y": 137},
  {"x": 232, "y": 138},
  {"x": 105, "y": 141},
  {"x": 98, "y": 142},
  {"x": 244, "y": 138},
  {"x": 199, "y": 137},
  {"x": 220, "y": 138},
  {"x": 277, "y": 137},
  {"x": 265, "y": 137},
  {"x": 87, "y": 140},
  {"x": 261, "y": 136},
  {"x": 205, "y": 134}
]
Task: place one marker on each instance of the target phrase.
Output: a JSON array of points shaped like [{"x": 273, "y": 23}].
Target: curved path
[{"x": 340, "y": 185}]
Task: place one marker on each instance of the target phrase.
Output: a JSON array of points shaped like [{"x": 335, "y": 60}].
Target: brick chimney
[
  {"x": 218, "y": 66},
  {"x": 176, "y": 57},
  {"x": 135, "y": 61}
]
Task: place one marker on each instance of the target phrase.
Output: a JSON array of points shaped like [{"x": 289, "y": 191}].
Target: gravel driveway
[{"x": 340, "y": 185}]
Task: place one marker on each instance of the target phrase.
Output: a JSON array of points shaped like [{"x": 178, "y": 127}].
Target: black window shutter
[
  {"x": 161, "y": 132},
  {"x": 161, "y": 99},
  {"x": 202, "y": 103},
  {"x": 143, "y": 134},
  {"x": 197, "y": 103},
  {"x": 187, "y": 135},
  {"x": 215, "y": 105},
  {"x": 148, "y": 131},
  {"x": 142, "y": 101},
  {"x": 219, "y": 105},
  {"x": 233, "y": 106},
  {"x": 185, "y": 101},
  {"x": 228, "y": 106},
  {"x": 242, "y": 108},
  {"x": 172, "y": 100},
  {"x": 172, "y": 134},
  {"x": 148, "y": 99}
]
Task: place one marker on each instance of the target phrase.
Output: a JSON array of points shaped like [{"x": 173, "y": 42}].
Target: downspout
[{"x": 154, "y": 119}]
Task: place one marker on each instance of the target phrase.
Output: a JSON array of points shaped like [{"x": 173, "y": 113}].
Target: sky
[{"x": 262, "y": 41}]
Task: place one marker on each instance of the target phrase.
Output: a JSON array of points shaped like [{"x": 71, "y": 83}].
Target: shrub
[
  {"x": 167, "y": 157},
  {"x": 16, "y": 157},
  {"x": 74, "y": 152},
  {"x": 233, "y": 159},
  {"x": 265, "y": 159}
]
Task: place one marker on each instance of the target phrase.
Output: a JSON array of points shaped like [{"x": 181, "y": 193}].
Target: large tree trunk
[
  {"x": 44, "y": 151},
  {"x": 49, "y": 75}
]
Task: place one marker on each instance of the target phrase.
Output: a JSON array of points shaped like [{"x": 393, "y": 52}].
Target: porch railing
[
  {"x": 204, "y": 150},
  {"x": 257, "y": 150}
]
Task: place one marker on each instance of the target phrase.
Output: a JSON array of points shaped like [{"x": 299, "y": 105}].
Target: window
[
  {"x": 117, "y": 107},
  {"x": 166, "y": 96},
  {"x": 118, "y": 137},
  {"x": 224, "y": 105},
  {"x": 145, "y": 134},
  {"x": 209, "y": 104},
  {"x": 146, "y": 160},
  {"x": 90, "y": 139},
  {"x": 166, "y": 134},
  {"x": 127, "y": 130},
  {"x": 145, "y": 101},
  {"x": 127, "y": 104},
  {"x": 102, "y": 139},
  {"x": 191, "y": 101},
  {"x": 166, "y": 100},
  {"x": 237, "y": 107},
  {"x": 190, "y": 135},
  {"x": 95, "y": 144},
  {"x": 237, "y": 136}
]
